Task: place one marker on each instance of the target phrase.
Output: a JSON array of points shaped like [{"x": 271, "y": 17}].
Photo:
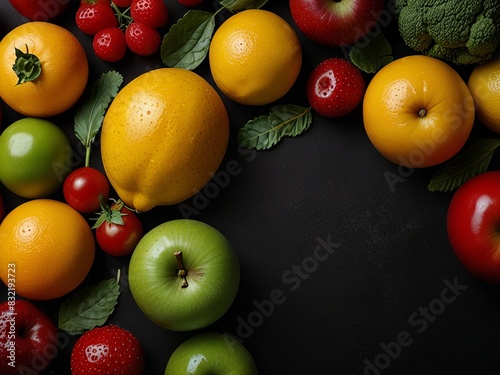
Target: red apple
[
  {"x": 335, "y": 87},
  {"x": 473, "y": 225},
  {"x": 337, "y": 22},
  {"x": 29, "y": 340}
]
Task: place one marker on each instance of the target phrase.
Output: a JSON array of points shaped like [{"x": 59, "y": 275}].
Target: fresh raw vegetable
[
  {"x": 458, "y": 31},
  {"x": 83, "y": 187}
]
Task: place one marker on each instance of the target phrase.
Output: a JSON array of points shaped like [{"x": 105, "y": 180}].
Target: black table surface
[{"x": 366, "y": 277}]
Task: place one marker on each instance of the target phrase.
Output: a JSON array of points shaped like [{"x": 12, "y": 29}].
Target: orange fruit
[
  {"x": 63, "y": 63},
  {"x": 255, "y": 57},
  {"x": 418, "y": 111},
  {"x": 484, "y": 84},
  {"x": 163, "y": 137},
  {"x": 46, "y": 249}
]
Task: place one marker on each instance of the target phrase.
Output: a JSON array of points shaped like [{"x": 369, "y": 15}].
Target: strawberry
[
  {"x": 335, "y": 87},
  {"x": 92, "y": 16},
  {"x": 107, "y": 350},
  {"x": 142, "y": 39},
  {"x": 153, "y": 13},
  {"x": 109, "y": 44}
]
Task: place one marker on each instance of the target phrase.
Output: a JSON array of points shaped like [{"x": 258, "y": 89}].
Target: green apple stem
[{"x": 182, "y": 273}]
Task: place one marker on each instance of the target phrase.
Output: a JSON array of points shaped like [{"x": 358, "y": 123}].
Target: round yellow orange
[
  {"x": 163, "y": 137},
  {"x": 46, "y": 249},
  {"x": 418, "y": 111},
  {"x": 255, "y": 57},
  {"x": 64, "y": 69},
  {"x": 484, "y": 84}
]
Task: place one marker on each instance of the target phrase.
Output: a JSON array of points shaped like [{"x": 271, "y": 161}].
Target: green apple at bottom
[
  {"x": 184, "y": 275},
  {"x": 211, "y": 353}
]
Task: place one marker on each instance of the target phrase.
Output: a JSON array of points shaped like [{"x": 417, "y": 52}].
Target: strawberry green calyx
[{"x": 26, "y": 66}]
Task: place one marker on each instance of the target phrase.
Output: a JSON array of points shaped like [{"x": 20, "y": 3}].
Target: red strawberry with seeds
[
  {"x": 93, "y": 16},
  {"x": 109, "y": 44},
  {"x": 153, "y": 13},
  {"x": 142, "y": 39},
  {"x": 107, "y": 350},
  {"x": 335, "y": 87}
]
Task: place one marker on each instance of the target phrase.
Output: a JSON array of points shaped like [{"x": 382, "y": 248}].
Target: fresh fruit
[
  {"x": 177, "y": 126},
  {"x": 336, "y": 23},
  {"x": 51, "y": 246},
  {"x": 142, "y": 39},
  {"x": 190, "y": 3},
  {"x": 109, "y": 44},
  {"x": 335, "y": 87},
  {"x": 28, "y": 338},
  {"x": 92, "y": 17},
  {"x": 36, "y": 157},
  {"x": 63, "y": 72},
  {"x": 211, "y": 353},
  {"x": 117, "y": 229},
  {"x": 184, "y": 275},
  {"x": 153, "y": 13},
  {"x": 255, "y": 57},
  {"x": 82, "y": 188},
  {"x": 417, "y": 111},
  {"x": 484, "y": 85},
  {"x": 472, "y": 225},
  {"x": 107, "y": 350},
  {"x": 40, "y": 10}
]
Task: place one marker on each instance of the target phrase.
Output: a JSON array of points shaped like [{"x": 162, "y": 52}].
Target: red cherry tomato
[
  {"x": 118, "y": 230},
  {"x": 82, "y": 188}
]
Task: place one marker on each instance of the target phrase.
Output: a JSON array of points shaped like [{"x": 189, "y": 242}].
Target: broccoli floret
[{"x": 459, "y": 31}]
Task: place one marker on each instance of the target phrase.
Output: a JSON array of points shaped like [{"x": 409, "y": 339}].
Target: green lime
[{"x": 35, "y": 157}]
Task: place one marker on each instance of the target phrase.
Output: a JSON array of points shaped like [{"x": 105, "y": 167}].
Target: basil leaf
[
  {"x": 264, "y": 132},
  {"x": 373, "y": 54},
  {"x": 473, "y": 161},
  {"x": 187, "y": 42},
  {"x": 90, "y": 114},
  {"x": 234, "y": 5},
  {"x": 89, "y": 308}
]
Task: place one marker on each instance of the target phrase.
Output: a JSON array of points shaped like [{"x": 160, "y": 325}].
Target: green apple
[
  {"x": 184, "y": 275},
  {"x": 211, "y": 353}
]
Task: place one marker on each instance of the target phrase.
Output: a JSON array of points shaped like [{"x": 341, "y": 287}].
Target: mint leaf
[
  {"x": 264, "y": 132},
  {"x": 187, "y": 42},
  {"x": 373, "y": 54},
  {"x": 95, "y": 101},
  {"x": 473, "y": 161},
  {"x": 89, "y": 308},
  {"x": 235, "y": 5}
]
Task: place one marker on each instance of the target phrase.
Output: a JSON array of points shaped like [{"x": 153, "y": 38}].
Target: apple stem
[
  {"x": 422, "y": 113},
  {"x": 182, "y": 273}
]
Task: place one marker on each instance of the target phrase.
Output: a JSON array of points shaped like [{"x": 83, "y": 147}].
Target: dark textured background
[{"x": 390, "y": 260}]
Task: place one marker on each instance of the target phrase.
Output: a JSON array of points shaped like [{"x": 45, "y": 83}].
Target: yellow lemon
[
  {"x": 255, "y": 57},
  {"x": 484, "y": 84},
  {"x": 163, "y": 137}
]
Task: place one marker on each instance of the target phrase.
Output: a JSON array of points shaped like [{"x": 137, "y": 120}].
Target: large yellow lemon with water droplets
[{"x": 163, "y": 138}]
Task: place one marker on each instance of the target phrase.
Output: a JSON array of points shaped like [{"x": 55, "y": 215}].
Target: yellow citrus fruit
[
  {"x": 46, "y": 249},
  {"x": 163, "y": 137},
  {"x": 255, "y": 57},
  {"x": 63, "y": 63},
  {"x": 484, "y": 84},
  {"x": 418, "y": 111}
]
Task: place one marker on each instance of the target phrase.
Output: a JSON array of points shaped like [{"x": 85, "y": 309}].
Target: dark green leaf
[
  {"x": 235, "y": 5},
  {"x": 187, "y": 42},
  {"x": 89, "y": 308},
  {"x": 473, "y": 161},
  {"x": 264, "y": 132},
  {"x": 26, "y": 66},
  {"x": 90, "y": 114},
  {"x": 372, "y": 54}
]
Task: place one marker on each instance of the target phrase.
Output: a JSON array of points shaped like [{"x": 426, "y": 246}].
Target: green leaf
[
  {"x": 264, "y": 132},
  {"x": 89, "y": 308},
  {"x": 26, "y": 66},
  {"x": 187, "y": 42},
  {"x": 235, "y": 5},
  {"x": 95, "y": 101},
  {"x": 373, "y": 54},
  {"x": 473, "y": 161}
]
